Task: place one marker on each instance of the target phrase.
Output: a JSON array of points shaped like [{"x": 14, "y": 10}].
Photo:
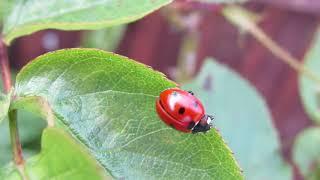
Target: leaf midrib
[{"x": 113, "y": 91}]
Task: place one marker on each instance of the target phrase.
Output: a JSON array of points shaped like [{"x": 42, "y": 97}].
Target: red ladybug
[{"x": 182, "y": 111}]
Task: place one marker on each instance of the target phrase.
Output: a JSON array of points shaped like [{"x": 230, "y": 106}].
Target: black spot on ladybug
[
  {"x": 182, "y": 110},
  {"x": 196, "y": 104},
  {"x": 191, "y": 125},
  {"x": 174, "y": 93}
]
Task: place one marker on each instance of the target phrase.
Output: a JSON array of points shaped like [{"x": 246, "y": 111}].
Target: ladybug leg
[
  {"x": 201, "y": 128},
  {"x": 190, "y": 92}
]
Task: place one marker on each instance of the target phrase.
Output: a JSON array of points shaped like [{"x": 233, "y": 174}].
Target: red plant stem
[
  {"x": 4, "y": 67},
  {"x": 15, "y": 141},
  {"x": 13, "y": 123}
]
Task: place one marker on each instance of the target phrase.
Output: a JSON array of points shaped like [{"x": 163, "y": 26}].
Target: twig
[
  {"x": 4, "y": 67},
  {"x": 16, "y": 145},
  {"x": 186, "y": 64},
  {"x": 241, "y": 18},
  {"x": 13, "y": 123},
  {"x": 189, "y": 24}
]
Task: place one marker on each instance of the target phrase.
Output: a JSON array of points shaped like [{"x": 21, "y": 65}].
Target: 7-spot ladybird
[{"x": 182, "y": 111}]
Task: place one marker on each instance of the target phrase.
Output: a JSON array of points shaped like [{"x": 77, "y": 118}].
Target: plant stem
[
  {"x": 13, "y": 123},
  {"x": 187, "y": 23},
  {"x": 186, "y": 64},
  {"x": 15, "y": 141},
  {"x": 4, "y": 67},
  {"x": 16, "y": 145},
  {"x": 241, "y": 18}
]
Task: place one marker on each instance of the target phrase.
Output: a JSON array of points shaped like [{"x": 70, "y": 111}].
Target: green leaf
[
  {"x": 309, "y": 90},
  {"x": 243, "y": 119},
  {"x": 107, "y": 102},
  {"x": 28, "y": 16},
  {"x": 61, "y": 157},
  {"x": 4, "y": 105},
  {"x": 106, "y": 39},
  {"x": 306, "y": 153}
]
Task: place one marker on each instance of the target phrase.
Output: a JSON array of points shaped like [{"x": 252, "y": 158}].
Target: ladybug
[{"x": 182, "y": 111}]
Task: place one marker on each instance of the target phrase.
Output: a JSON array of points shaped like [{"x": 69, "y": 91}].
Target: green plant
[
  {"x": 98, "y": 120},
  {"x": 95, "y": 113}
]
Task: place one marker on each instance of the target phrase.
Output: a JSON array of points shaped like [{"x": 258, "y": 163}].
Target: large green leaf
[
  {"x": 244, "y": 121},
  {"x": 309, "y": 89},
  {"x": 61, "y": 157},
  {"x": 306, "y": 153},
  {"x": 107, "y": 102},
  {"x": 28, "y": 16}
]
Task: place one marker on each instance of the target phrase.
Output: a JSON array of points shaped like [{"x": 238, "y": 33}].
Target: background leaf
[
  {"x": 106, "y": 39},
  {"x": 4, "y": 105},
  {"x": 306, "y": 153},
  {"x": 107, "y": 102},
  {"x": 309, "y": 90},
  {"x": 28, "y": 16},
  {"x": 5, "y": 6},
  {"x": 243, "y": 119},
  {"x": 61, "y": 157},
  {"x": 1, "y": 11}
]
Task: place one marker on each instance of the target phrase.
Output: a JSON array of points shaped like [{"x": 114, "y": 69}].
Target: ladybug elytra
[{"x": 182, "y": 111}]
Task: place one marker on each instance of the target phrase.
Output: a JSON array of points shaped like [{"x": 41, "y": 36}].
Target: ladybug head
[{"x": 204, "y": 125}]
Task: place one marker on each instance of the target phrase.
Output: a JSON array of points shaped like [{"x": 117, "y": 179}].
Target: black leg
[{"x": 201, "y": 128}]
